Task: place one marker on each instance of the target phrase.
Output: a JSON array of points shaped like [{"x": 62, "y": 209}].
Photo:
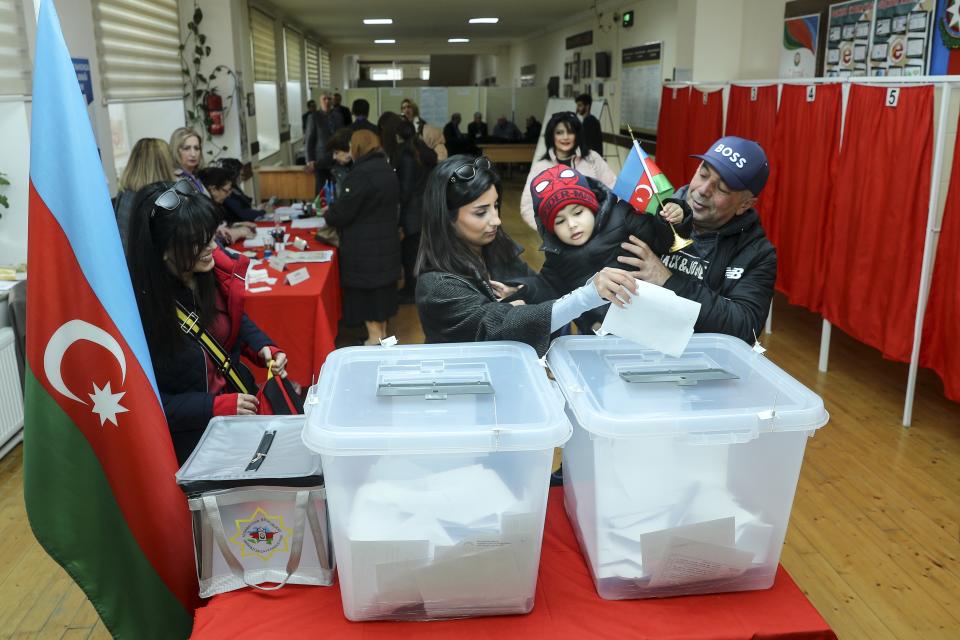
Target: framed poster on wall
[
  {"x": 801, "y": 37},
  {"x": 854, "y": 22}
]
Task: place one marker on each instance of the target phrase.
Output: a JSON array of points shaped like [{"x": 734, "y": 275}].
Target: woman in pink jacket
[{"x": 565, "y": 145}]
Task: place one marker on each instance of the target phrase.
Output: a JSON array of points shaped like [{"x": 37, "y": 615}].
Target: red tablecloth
[
  {"x": 300, "y": 319},
  {"x": 567, "y": 606}
]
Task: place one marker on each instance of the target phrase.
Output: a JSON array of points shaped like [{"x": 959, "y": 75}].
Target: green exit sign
[{"x": 627, "y": 19}]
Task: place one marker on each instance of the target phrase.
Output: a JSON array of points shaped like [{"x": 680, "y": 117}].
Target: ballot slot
[
  {"x": 687, "y": 370},
  {"x": 434, "y": 379}
]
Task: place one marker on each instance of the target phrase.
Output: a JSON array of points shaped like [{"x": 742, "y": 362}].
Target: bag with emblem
[{"x": 258, "y": 504}]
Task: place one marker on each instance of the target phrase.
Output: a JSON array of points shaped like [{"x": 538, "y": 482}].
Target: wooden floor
[{"x": 874, "y": 536}]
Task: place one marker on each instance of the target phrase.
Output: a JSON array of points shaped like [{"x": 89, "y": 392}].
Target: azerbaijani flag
[
  {"x": 98, "y": 463},
  {"x": 634, "y": 184}
]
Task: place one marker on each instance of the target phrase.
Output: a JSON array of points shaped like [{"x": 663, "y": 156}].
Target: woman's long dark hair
[
  {"x": 570, "y": 119},
  {"x": 182, "y": 234},
  {"x": 441, "y": 248}
]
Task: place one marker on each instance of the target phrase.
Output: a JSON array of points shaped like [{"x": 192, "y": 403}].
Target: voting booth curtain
[
  {"x": 940, "y": 348},
  {"x": 704, "y": 126},
  {"x": 752, "y": 114},
  {"x": 877, "y": 217},
  {"x": 672, "y": 134},
  {"x": 802, "y": 156}
]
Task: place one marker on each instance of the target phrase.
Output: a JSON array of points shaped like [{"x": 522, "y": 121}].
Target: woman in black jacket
[
  {"x": 366, "y": 216},
  {"x": 472, "y": 285},
  {"x": 413, "y": 160}
]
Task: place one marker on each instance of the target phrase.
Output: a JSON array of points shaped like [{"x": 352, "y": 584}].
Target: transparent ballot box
[
  {"x": 258, "y": 504},
  {"x": 681, "y": 472},
  {"x": 437, "y": 462}
]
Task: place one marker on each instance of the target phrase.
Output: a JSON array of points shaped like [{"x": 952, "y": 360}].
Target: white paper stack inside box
[
  {"x": 681, "y": 472},
  {"x": 259, "y": 506},
  {"x": 437, "y": 461}
]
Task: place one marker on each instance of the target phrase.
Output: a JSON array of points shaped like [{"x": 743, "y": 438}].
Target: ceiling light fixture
[
  {"x": 484, "y": 20},
  {"x": 385, "y": 41},
  {"x": 458, "y": 39},
  {"x": 378, "y": 21}
]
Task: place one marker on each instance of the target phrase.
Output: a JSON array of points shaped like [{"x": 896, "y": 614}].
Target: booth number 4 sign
[{"x": 893, "y": 96}]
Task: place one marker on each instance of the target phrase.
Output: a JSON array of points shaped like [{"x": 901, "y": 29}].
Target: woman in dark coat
[
  {"x": 472, "y": 285},
  {"x": 173, "y": 261},
  {"x": 413, "y": 160},
  {"x": 366, "y": 216}
]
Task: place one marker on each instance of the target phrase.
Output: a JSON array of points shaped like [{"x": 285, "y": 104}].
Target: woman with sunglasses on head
[
  {"x": 472, "y": 285},
  {"x": 366, "y": 216},
  {"x": 565, "y": 145},
  {"x": 175, "y": 264}
]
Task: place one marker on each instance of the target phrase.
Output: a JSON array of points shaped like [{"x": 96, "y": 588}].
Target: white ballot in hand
[{"x": 655, "y": 318}]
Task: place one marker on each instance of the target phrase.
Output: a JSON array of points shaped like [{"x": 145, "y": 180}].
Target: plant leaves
[{"x": 197, "y": 15}]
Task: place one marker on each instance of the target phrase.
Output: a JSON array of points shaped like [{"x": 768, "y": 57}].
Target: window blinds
[
  {"x": 14, "y": 55},
  {"x": 138, "y": 42},
  {"x": 313, "y": 64},
  {"x": 294, "y": 42},
  {"x": 264, "y": 47},
  {"x": 325, "y": 81}
]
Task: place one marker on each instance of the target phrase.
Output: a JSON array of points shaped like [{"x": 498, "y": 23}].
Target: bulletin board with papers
[
  {"x": 434, "y": 105},
  {"x": 848, "y": 39},
  {"x": 641, "y": 75},
  {"x": 901, "y": 38}
]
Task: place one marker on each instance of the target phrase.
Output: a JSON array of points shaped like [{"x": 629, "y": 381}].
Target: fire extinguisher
[{"x": 213, "y": 105}]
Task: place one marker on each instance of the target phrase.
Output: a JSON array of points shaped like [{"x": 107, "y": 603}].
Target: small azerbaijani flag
[
  {"x": 98, "y": 461},
  {"x": 633, "y": 183}
]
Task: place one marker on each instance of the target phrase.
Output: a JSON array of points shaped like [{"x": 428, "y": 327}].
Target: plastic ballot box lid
[
  {"x": 237, "y": 451},
  {"x": 719, "y": 387},
  {"x": 434, "y": 398}
]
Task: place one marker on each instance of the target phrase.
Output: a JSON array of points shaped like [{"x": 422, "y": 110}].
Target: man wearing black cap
[{"x": 731, "y": 267}]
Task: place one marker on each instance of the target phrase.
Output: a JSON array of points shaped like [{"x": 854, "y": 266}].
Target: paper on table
[
  {"x": 309, "y": 256},
  {"x": 253, "y": 243},
  {"x": 689, "y": 561},
  {"x": 656, "y": 318},
  {"x": 308, "y": 223},
  {"x": 259, "y": 289}
]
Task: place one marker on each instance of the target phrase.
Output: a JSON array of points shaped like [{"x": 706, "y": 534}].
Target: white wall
[
  {"x": 16, "y": 164},
  {"x": 655, "y": 20},
  {"x": 761, "y": 39}
]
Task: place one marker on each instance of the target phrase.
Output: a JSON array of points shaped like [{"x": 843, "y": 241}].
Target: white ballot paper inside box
[{"x": 655, "y": 318}]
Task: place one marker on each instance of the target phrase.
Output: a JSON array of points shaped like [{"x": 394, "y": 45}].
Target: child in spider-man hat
[{"x": 582, "y": 224}]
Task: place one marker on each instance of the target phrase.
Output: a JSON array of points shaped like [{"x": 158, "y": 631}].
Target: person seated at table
[
  {"x": 366, "y": 217},
  {"x": 505, "y": 131},
  {"x": 173, "y": 263},
  {"x": 477, "y": 130},
  {"x": 150, "y": 161},
  {"x": 186, "y": 145},
  {"x": 238, "y": 205},
  {"x": 472, "y": 285},
  {"x": 219, "y": 184},
  {"x": 532, "y": 133},
  {"x": 565, "y": 145},
  {"x": 451, "y": 131}
]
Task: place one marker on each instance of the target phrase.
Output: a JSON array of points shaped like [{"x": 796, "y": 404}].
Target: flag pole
[{"x": 678, "y": 242}]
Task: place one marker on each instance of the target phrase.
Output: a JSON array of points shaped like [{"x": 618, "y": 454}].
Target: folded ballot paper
[
  {"x": 450, "y": 542},
  {"x": 655, "y": 318}
]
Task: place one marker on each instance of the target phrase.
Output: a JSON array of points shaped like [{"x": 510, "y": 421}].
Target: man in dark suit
[
  {"x": 361, "y": 115},
  {"x": 477, "y": 130},
  {"x": 592, "y": 133},
  {"x": 321, "y": 125},
  {"x": 342, "y": 110}
]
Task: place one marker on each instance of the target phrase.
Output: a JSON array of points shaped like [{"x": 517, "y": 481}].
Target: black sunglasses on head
[
  {"x": 170, "y": 199},
  {"x": 563, "y": 114},
  {"x": 468, "y": 171}
]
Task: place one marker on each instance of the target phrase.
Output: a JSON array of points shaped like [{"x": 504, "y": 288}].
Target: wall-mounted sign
[{"x": 580, "y": 40}]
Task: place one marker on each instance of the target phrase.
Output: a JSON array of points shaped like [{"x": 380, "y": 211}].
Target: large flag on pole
[
  {"x": 98, "y": 460},
  {"x": 637, "y": 186}
]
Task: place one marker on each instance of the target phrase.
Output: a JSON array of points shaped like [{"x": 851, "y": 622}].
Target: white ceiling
[{"x": 423, "y": 26}]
